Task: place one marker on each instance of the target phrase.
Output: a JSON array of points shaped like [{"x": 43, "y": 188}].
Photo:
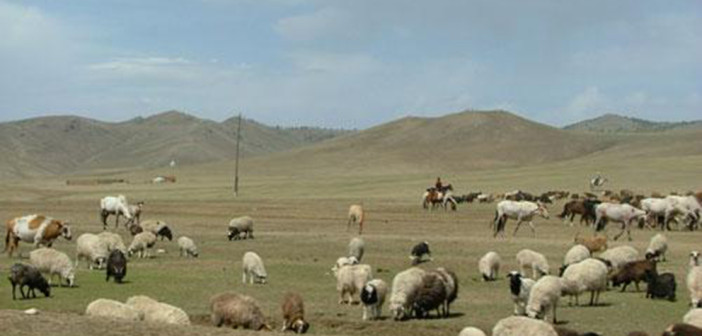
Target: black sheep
[
  {"x": 25, "y": 275},
  {"x": 660, "y": 286},
  {"x": 430, "y": 296},
  {"x": 116, "y": 266},
  {"x": 419, "y": 251},
  {"x": 165, "y": 232}
]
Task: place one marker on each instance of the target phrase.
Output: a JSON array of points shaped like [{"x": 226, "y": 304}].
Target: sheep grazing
[
  {"x": 694, "y": 285},
  {"x": 114, "y": 310},
  {"x": 660, "y": 286},
  {"x": 26, "y": 275},
  {"x": 544, "y": 296},
  {"x": 116, "y": 266},
  {"x": 112, "y": 241},
  {"x": 350, "y": 281},
  {"x": 159, "y": 228},
  {"x": 471, "y": 331},
  {"x": 356, "y": 215},
  {"x": 522, "y": 326},
  {"x": 405, "y": 286},
  {"x": 237, "y": 310},
  {"x": 520, "y": 288},
  {"x": 635, "y": 272},
  {"x": 373, "y": 296},
  {"x": 682, "y": 329},
  {"x": 694, "y": 259},
  {"x": 253, "y": 268},
  {"x": 489, "y": 266},
  {"x": 451, "y": 283},
  {"x": 657, "y": 247},
  {"x": 141, "y": 243},
  {"x": 587, "y": 275},
  {"x": 341, "y": 262},
  {"x": 53, "y": 262},
  {"x": 418, "y": 252},
  {"x": 619, "y": 256},
  {"x": 158, "y": 312},
  {"x": 356, "y": 248},
  {"x": 91, "y": 248},
  {"x": 294, "y": 314},
  {"x": 575, "y": 255},
  {"x": 596, "y": 243},
  {"x": 431, "y": 295},
  {"x": 240, "y": 226},
  {"x": 528, "y": 259},
  {"x": 694, "y": 317},
  {"x": 187, "y": 247}
]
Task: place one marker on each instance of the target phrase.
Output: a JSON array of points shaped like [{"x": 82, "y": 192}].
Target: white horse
[
  {"x": 620, "y": 213},
  {"x": 111, "y": 205},
  {"x": 522, "y": 211},
  {"x": 668, "y": 208}
]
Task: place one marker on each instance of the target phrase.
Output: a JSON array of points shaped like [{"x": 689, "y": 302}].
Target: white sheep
[
  {"x": 576, "y": 254},
  {"x": 112, "y": 241},
  {"x": 350, "y": 281},
  {"x": 694, "y": 317},
  {"x": 237, "y": 310},
  {"x": 489, "y": 266},
  {"x": 528, "y": 259},
  {"x": 91, "y": 248},
  {"x": 158, "y": 312},
  {"x": 405, "y": 286},
  {"x": 240, "y": 225},
  {"x": 694, "y": 259},
  {"x": 356, "y": 248},
  {"x": 544, "y": 296},
  {"x": 471, "y": 331},
  {"x": 53, "y": 262},
  {"x": 158, "y": 227},
  {"x": 522, "y": 326},
  {"x": 187, "y": 247},
  {"x": 141, "y": 243},
  {"x": 694, "y": 285},
  {"x": 253, "y": 268},
  {"x": 343, "y": 261},
  {"x": 657, "y": 247},
  {"x": 114, "y": 310},
  {"x": 373, "y": 296},
  {"x": 587, "y": 275},
  {"x": 620, "y": 256},
  {"x": 520, "y": 288}
]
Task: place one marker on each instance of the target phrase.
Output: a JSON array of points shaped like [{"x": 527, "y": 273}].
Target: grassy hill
[{"x": 613, "y": 123}]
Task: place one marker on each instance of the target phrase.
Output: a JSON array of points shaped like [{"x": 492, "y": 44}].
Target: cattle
[{"x": 36, "y": 229}]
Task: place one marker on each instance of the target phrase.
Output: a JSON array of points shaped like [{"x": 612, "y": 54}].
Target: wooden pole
[{"x": 236, "y": 164}]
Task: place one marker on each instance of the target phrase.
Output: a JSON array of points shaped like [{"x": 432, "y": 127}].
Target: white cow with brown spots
[{"x": 36, "y": 229}]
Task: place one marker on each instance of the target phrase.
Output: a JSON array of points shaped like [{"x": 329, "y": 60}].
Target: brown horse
[
  {"x": 37, "y": 229},
  {"x": 584, "y": 208},
  {"x": 439, "y": 197}
]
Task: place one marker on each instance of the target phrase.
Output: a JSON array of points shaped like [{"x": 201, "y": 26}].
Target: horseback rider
[{"x": 438, "y": 185}]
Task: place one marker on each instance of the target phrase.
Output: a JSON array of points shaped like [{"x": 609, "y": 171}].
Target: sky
[{"x": 350, "y": 63}]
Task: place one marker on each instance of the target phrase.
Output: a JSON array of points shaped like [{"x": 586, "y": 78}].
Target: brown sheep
[
  {"x": 294, "y": 314},
  {"x": 595, "y": 243},
  {"x": 635, "y": 272},
  {"x": 237, "y": 310}
]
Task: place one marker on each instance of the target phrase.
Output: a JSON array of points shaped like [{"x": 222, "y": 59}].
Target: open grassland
[{"x": 301, "y": 230}]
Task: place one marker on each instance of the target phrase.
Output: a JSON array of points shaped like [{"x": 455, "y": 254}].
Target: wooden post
[{"x": 236, "y": 164}]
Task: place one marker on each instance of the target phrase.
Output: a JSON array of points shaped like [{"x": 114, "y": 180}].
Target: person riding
[{"x": 438, "y": 185}]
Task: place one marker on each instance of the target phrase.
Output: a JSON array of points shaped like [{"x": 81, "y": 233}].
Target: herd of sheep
[{"x": 536, "y": 288}]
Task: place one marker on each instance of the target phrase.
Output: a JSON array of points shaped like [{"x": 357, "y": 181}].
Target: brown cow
[{"x": 37, "y": 229}]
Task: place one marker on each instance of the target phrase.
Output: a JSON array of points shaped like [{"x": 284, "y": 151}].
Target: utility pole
[{"x": 236, "y": 164}]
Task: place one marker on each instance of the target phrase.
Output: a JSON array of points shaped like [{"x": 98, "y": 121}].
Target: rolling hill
[{"x": 613, "y": 123}]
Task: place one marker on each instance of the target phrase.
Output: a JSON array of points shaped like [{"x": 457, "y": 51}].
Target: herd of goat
[{"x": 415, "y": 292}]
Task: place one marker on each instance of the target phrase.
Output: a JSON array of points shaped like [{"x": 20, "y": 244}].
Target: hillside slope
[{"x": 613, "y": 123}]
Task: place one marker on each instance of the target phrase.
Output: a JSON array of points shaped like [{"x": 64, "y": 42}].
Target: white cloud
[{"x": 588, "y": 102}]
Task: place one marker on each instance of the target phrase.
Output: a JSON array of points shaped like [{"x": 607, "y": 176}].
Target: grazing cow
[
  {"x": 521, "y": 211},
  {"x": 620, "y": 213},
  {"x": 36, "y": 229},
  {"x": 111, "y": 205},
  {"x": 356, "y": 215}
]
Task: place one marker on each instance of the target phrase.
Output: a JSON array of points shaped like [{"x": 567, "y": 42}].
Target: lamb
[
  {"x": 404, "y": 289},
  {"x": 187, "y": 247},
  {"x": 114, "y": 310},
  {"x": 544, "y": 296},
  {"x": 350, "y": 280},
  {"x": 489, "y": 266},
  {"x": 587, "y": 275},
  {"x": 240, "y": 225},
  {"x": 112, "y": 241},
  {"x": 253, "y": 268},
  {"x": 294, "y": 314},
  {"x": 356, "y": 248},
  {"x": 657, "y": 247},
  {"x": 431, "y": 295},
  {"x": 694, "y": 285},
  {"x": 535, "y": 261},
  {"x": 471, "y": 331},
  {"x": 141, "y": 243},
  {"x": 635, "y": 272},
  {"x": 620, "y": 255},
  {"x": 418, "y": 252},
  {"x": 356, "y": 215},
  {"x": 520, "y": 288},
  {"x": 116, "y": 266},
  {"x": 522, "y": 326},
  {"x": 159, "y": 228},
  {"x": 660, "y": 285},
  {"x": 53, "y": 262},
  {"x": 237, "y": 310},
  {"x": 682, "y": 329},
  {"x": 91, "y": 248},
  {"x": 158, "y": 312},
  {"x": 373, "y": 296},
  {"x": 27, "y": 275},
  {"x": 694, "y": 317},
  {"x": 575, "y": 255},
  {"x": 341, "y": 262}
]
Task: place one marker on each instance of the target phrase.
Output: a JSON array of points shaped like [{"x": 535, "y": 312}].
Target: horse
[
  {"x": 521, "y": 211},
  {"x": 620, "y": 213},
  {"x": 111, "y": 205},
  {"x": 356, "y": 215},
  {"x": 37, "y": 229},
  {"x": 583, "y": 207},
  {"x": 439, "y": 197}
]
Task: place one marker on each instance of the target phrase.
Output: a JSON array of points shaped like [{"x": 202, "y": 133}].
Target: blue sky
[{"x": 350, "y": 63}]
